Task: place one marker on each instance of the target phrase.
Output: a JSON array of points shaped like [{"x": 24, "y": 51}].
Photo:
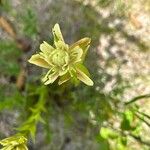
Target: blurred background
[{"x": 114, "y": 114}]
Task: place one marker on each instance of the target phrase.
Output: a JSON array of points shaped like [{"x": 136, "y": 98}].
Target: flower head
[
  {"x": 63, "y": 61},
  {"x": 16, "y": 142}
]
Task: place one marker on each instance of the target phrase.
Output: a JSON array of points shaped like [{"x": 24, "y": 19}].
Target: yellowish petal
[
  {"x": 83, "y": 77},
  {"x": 64, "y": 78},
  {"x": 50, "y": 77},
  {"x": 81, "y": 67},
  {"x": 83, "y": 44},
  {"x": 61, "y": 45},
  {"x": 9, "y": 147},
  {"x": 57, "y": 33},
  {"x": 39, "y": 61},
  {"x": 46, "y": 48},
  {"x": 63, "y": 70},
  {"x": 76, "y": 54},
  {"x": 45, "y": 78}
]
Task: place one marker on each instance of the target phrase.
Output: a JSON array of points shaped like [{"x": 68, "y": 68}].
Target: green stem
[{"x": 29, "y": 126}]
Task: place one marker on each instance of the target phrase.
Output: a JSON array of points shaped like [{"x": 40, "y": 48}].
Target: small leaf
[
  {"x": 127, "y": 120},
  {"x": 121, "y": 144},
  {"x": 129, "y": 115},
  {"x": 33, "y": 131},
  {"x": 104, "y": 132},
  {"x": 107, "y": 133}
]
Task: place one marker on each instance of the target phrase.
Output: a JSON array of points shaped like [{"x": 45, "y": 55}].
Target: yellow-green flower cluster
[
  {"x": 63, "y": 61},
  {"x": 17, "y": 142}
]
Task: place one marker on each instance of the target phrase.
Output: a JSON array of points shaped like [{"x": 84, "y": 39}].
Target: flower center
[{"x": 59, "y": 58}]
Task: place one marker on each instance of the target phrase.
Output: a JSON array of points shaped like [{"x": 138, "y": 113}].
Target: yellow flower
[
  {"x": 63, "y": 61},
  {"x": 16, "y": 142}
]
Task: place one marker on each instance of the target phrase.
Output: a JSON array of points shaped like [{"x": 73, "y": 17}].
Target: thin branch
[
  {"x": 146, "y": 122},
  {"x": 137, "y": 98},
  {"x": 138, "y": 138},
  {"x": 143, "y": 114}
]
